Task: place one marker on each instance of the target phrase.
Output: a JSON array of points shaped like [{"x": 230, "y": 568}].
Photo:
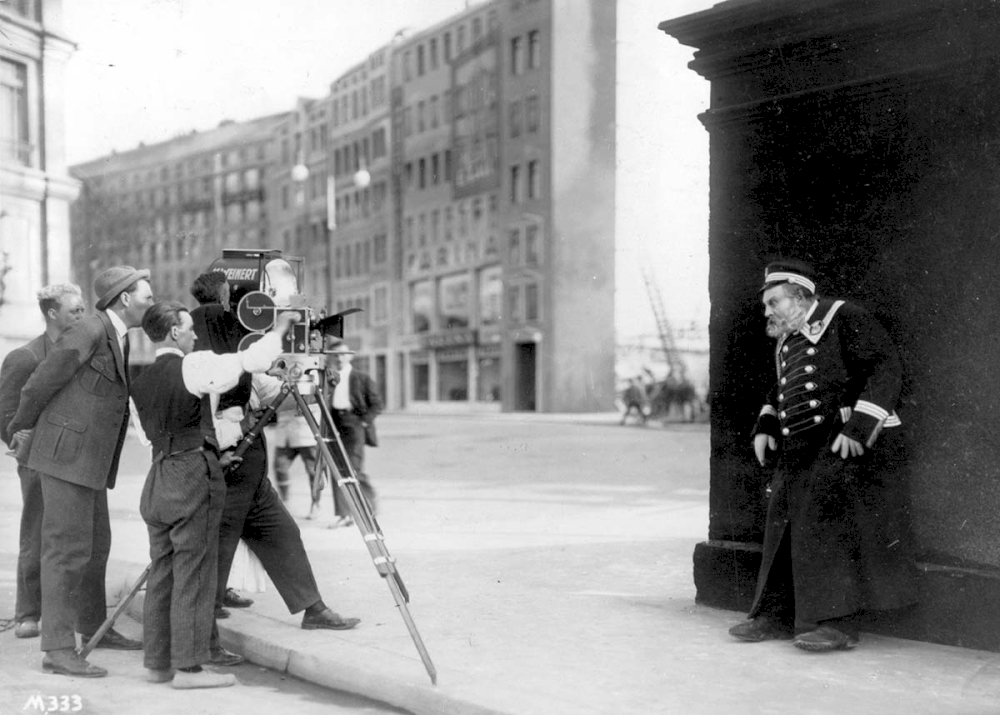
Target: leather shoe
[
  {"x": 761, "y": 628},
  {"x": 235, "y": 600},
  {"x": 26, "y": 629},
  {"x": 220, "y": 656},
  {"x": 159, "y": 675},
  {"x": 114, "y": 641},
  {"x": 824, "y": 639},
  {"x": 66, "y": 661},
  {"x": 329, "y": 620},
  {"x": 186, "y": 680},
  {"x": 221, "y": 612}
]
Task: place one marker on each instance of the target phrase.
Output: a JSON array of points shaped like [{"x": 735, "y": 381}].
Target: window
[
  {"x": 380, "y": 248},
  {"x": 455, "y": 301},
  {"x": 532, "y": 111},
  {"x": 531, "y": 246},
  {"x": 378, "y": 143},
  {"x": 445, "y": 107},
  {"x": 514, "y": 248},
  {"x": 380, "y": 304},
  {"x": 514, "y": 115},
  {"x": 460, "y": 38},
  {"x": 491, "y": 295},
  {"x": 420, "y": 61},
  {"x": 515, "y": 55},
  {"x": 434, "y": 112},
  {"x": 422, "y": 173},
  {"x": 531, "y": 302},
  {"x": 420, "y": 117},
  {"x": 407, "y": 74},
  {"x": 432, "y": 50},
  {"x": 515, "y": 183},
  {"x": 435, "y": 173},
  {"x": 447, "y": 47},
  {"x": 447, "y": 164},
  {"x": 477, "y": 28},
  {"x": 534, "y": 179},
  {"x": 421, "y": 306}
]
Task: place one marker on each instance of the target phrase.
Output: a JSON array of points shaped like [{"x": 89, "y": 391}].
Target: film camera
[{"x": 264, "y": 283}]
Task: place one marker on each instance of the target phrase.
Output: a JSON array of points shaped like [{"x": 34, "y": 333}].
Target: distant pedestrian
[
  {"x": 293, "y": 439},
  {"x": 635, "y": 398},
  {"x": 62, "y": 306},
  {"x": 835, "y": 541},
  {"x": 354, "y": 404}
]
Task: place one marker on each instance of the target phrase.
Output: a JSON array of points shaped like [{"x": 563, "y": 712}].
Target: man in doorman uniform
[{"x": 835, "y": 541}]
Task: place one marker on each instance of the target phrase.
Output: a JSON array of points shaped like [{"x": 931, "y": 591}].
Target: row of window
[
  {"x": 447, "y": 303},
  {"x": 523, "y": 115},
  {"x": 427, "y": 115},
  {"x": 438, "y": 224},
  {"x": 359, "y": 102},
  {"x": 525, "y": 53},
  {"x": 351, "y": 157},
  {"x": 360, "y": 204},
  {"x": 438, "y": 51},
  {"x": 525, "y": 181},
  {"x": 427, "y": 171}
]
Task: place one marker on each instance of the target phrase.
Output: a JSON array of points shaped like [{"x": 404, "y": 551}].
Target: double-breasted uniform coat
[{"x": 845, "y": 520}]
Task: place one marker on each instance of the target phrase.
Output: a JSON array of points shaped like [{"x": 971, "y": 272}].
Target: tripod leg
[
  {"x": 110, "y": 621},
  {"x": 331, "y": 451}
]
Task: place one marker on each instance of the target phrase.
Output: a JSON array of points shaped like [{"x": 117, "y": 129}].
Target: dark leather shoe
[
  {"x": 761, "y": 628},
  {"x": 66, "y": 661},
  {"x": 114, "y": 641},
  {"x": 825, "y": 638},
  {"x": 329, "y": 620},
  {"x": 221, "y": 612},
  {"x": 220, "y": 656},
  {"x": 26, "y": 629},
  {"x": 235, "y": 600}
]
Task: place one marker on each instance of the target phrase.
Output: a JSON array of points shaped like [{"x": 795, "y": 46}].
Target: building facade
[
  {"x": 456, "y": 185},
  {"x": 35, "y": 186},
  {"x": 173, "y": 206}
]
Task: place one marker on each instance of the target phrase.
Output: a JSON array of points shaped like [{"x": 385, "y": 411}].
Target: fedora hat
[
  {"x": 337, "y": 346},
  {"x": 113, "y": 281}
]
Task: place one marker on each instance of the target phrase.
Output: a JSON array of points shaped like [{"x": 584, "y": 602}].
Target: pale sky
[{"x": 149, "y": 70}]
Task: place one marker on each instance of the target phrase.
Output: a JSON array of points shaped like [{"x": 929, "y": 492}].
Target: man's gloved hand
[
  {"x": 847, "y": 447},
  {"x": 761, "y": 443}
]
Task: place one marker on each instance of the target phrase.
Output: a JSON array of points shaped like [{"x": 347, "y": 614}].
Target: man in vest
[
  {"x": 184, "y": 492},
  {"x": 62, "y": 306}
]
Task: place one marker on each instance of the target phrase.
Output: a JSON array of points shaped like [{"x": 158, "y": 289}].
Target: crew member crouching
[{"x": 182, "y": 499}]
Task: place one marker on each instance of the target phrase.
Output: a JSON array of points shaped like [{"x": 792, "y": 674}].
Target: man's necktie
[{"x": 125, "y": 347}]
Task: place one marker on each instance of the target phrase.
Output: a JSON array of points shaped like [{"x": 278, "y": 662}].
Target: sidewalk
[{"x": 538, "y": 593}]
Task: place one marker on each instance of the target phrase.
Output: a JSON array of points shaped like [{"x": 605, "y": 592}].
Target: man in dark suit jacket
[
  {"x": 354, "y": 405},
  {"x": 62, "y": 306},
  {"x": 77, "y": 402}
]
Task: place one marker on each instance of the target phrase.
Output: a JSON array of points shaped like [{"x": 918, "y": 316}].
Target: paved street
[{"x": 549, "y": 565}]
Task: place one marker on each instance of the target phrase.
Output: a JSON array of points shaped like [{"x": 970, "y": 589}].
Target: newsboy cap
[
  {"x": 789, "y": 271},
  {"x": 113, "y": 281}
]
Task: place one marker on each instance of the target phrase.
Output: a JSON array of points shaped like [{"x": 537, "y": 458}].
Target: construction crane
[{"x": 678, "y": 369}]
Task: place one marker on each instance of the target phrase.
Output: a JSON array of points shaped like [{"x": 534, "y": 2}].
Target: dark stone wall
[{"x": 864, "y": 138}]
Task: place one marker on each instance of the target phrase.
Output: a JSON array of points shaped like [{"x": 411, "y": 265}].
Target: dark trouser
[
  {"x": 778, "y": 599},
  {"x": 29, "y": 556},
  {"x": 182, "y": 505},
  {"x": 352, "y": 434},
  {"x": 254, "y": 513},
  {"x": 283, "y": 458},
  {"x": 76, "y": 540}
]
